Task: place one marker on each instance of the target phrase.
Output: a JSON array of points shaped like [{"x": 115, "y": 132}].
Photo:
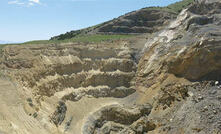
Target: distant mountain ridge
[
  {"x": 4, "y": 42},
  {"x": 8, "y": 42}
]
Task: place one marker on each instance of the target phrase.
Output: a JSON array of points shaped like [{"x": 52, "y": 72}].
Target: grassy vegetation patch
[
  {"x": 1, "y": 47},
  {"x": 98, "y": 38},
  {"x": 174, "y": 8},
  {"x": 178, "y": 6},
  {"x": 84, "y": 38}
]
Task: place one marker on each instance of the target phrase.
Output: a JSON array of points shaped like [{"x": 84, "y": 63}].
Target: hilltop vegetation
[
  {"x": 174, "y": 8},
  {"x": 146, "y": 20},
  {"x": 178, "y": 6},
  {"x": 84, "y": 38}
]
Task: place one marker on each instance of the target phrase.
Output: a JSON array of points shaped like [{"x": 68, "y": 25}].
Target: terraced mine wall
[
  {"x": 55, "y": 78},
  {"x": 172, "y": 87}
]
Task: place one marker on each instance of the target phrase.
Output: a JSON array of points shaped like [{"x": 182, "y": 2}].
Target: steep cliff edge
[{"x": 180, "y": 71}]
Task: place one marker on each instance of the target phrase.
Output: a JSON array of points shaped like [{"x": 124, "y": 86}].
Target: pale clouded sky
[{"x": 23, "y": 20}]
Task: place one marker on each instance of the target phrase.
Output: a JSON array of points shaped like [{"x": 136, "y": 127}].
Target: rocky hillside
[
  {"x": 168, "y": 85},
  {"x": 146, "y": 20},
  {"x": 180, "y": 71}
]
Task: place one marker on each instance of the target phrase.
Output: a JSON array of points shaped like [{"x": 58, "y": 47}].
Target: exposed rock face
[
  {"x": 204, "y": 49},
  {"x": 60, "y": 78},
  {"x": 141, "y": 21},
  {"x": 83, "y": 69},
  {"x": 100, "y": 89},
  {"x": 59, "y": 115},
  {"x": 189, "y": 46},
  {"x": 117, "y": 119},
  {"x": 186, "y": 53},
  {"x": 147, "y": 20}
]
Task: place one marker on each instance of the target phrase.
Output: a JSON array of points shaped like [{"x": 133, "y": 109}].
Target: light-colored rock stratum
[{"x": 57, "y": 88}]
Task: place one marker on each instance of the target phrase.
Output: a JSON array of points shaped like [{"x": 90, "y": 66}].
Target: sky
[{"x": 25, "y": 20}]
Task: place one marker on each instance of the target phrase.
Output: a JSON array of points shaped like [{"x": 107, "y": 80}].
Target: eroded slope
[
  {"x": 179, "y": 64},
  {"x": 63, "y": 84}
]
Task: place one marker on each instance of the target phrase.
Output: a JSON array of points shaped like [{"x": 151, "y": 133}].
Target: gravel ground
[{"x": 199, "y": 113}]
